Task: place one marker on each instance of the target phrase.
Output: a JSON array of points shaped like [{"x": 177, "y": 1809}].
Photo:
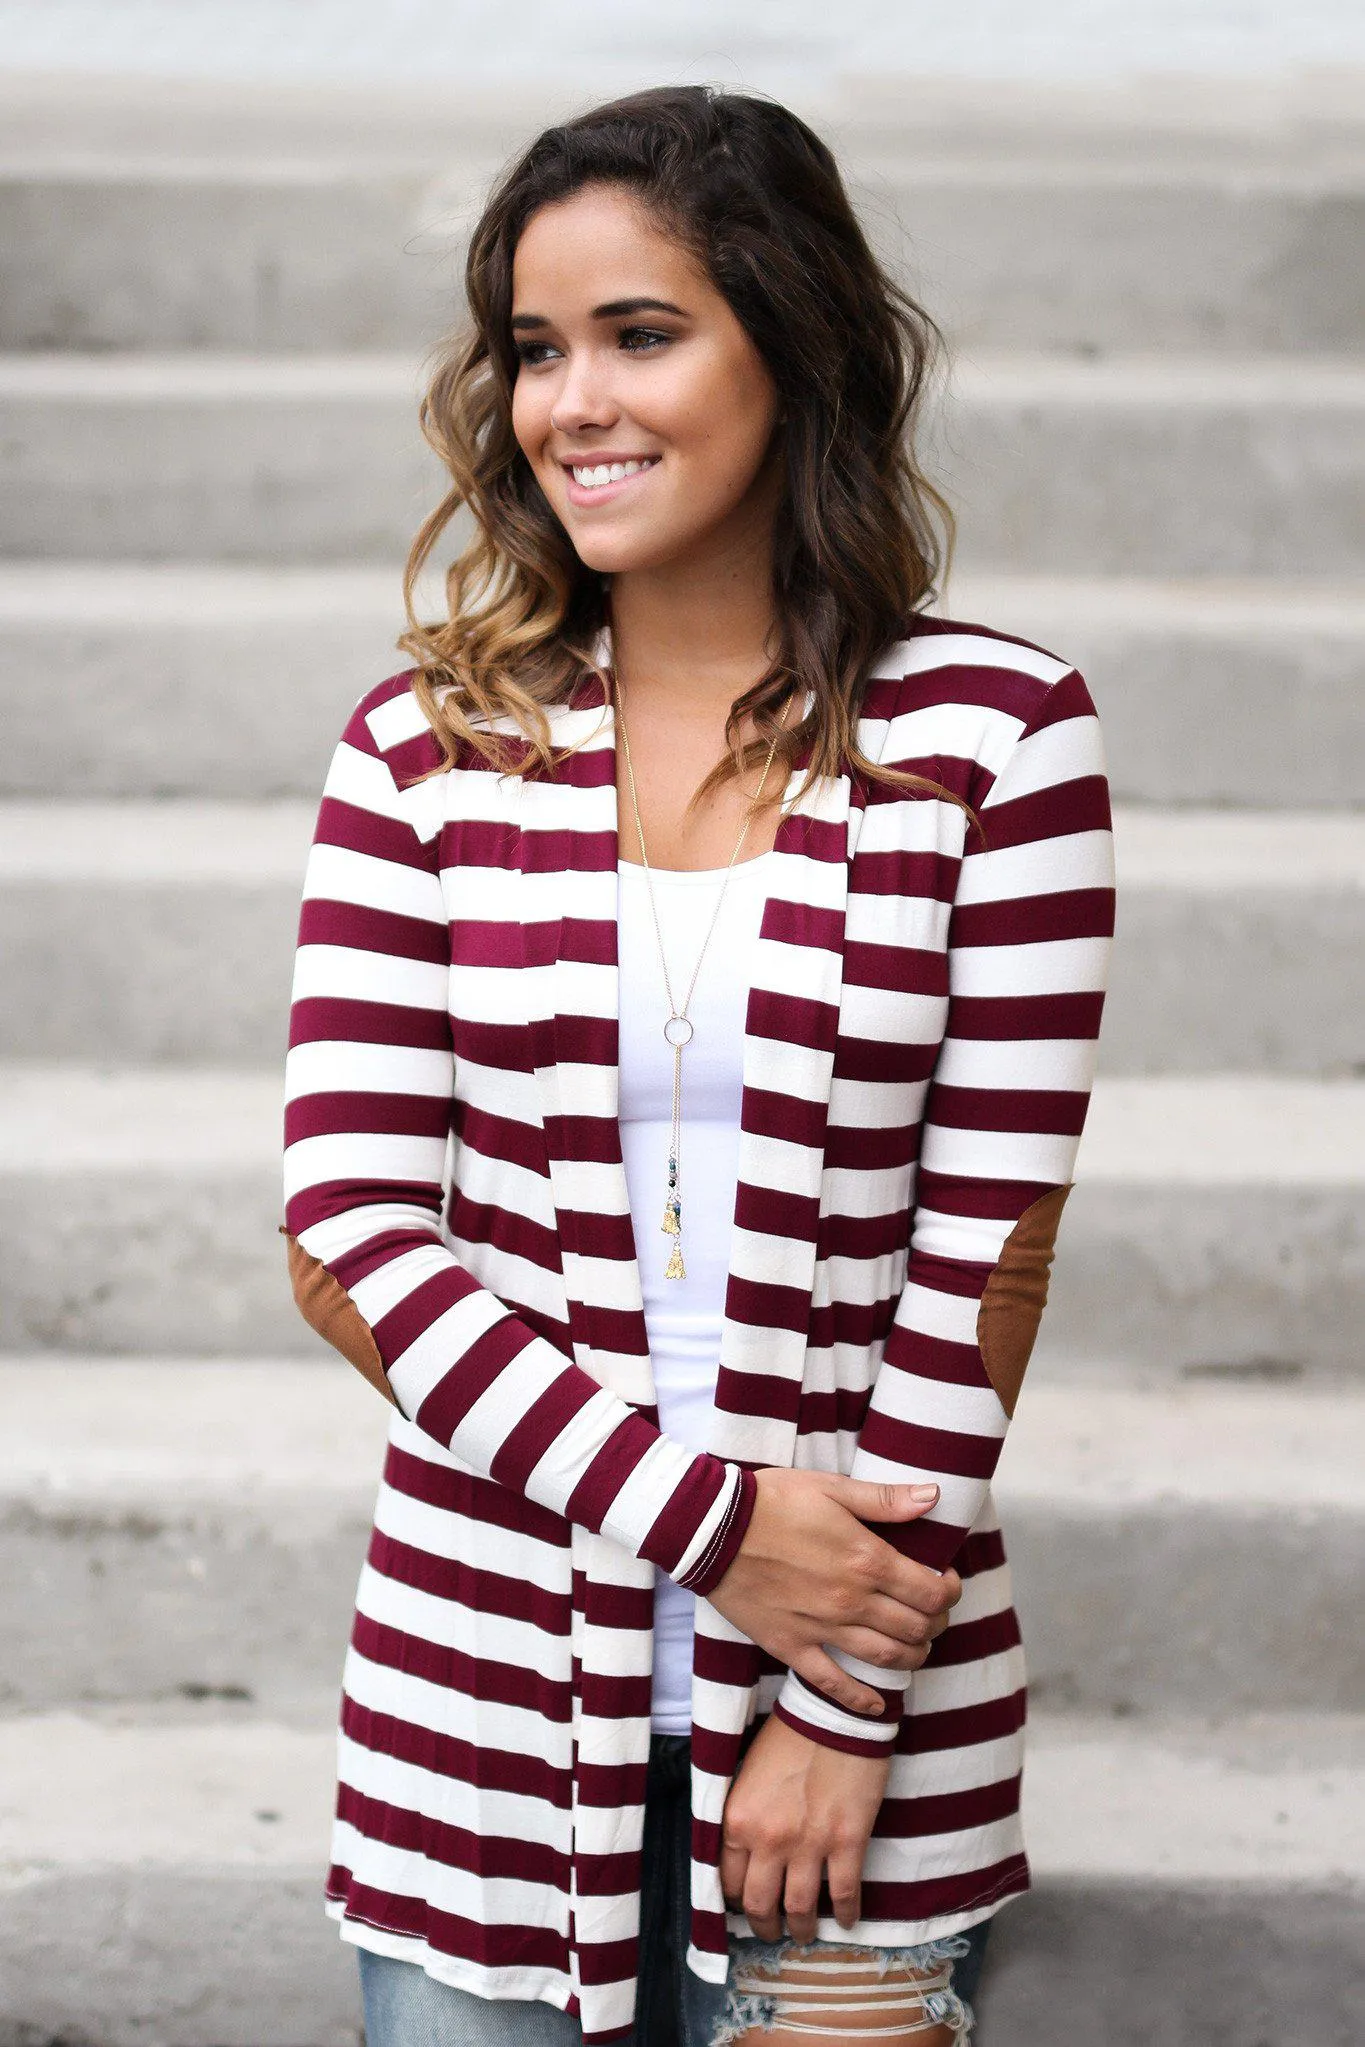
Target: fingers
[
  {"x": 907, "y": 1624},
  {"x": 763, "y": 1896},
  {"x": 882, "y": 1651},
  {"x": 802, "y": 1898},
  {"x": 734, "y": 1869},
  {"x": 846, "y": 1883},
  {"x": 872, "y": 1501},
  {"x": 917, "y": 1586},
  {"x": 818, "y": 1668}
]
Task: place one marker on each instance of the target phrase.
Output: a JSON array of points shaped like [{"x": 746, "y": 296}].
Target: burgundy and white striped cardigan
[{"x": 919, "y": 1048}]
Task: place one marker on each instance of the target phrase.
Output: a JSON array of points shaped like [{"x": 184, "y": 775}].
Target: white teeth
[{"x": 610, "y": 472}]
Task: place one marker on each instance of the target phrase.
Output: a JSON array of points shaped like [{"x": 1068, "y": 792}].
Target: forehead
[{"x": 600, "y": 244}]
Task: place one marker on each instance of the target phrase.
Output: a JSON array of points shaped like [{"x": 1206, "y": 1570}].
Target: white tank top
[{"x": 683, "y": 1316}]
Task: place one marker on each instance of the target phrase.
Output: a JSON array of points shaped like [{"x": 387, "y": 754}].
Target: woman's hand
[
  {"x": 808, "y": 1573},
  {"x": 795, "y": 1806}
]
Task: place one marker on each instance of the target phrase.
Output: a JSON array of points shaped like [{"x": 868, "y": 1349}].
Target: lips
[{"x": 604, "y": 479}]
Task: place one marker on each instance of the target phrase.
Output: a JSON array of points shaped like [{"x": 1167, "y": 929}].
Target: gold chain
[{"x": 678, "y": 1030}]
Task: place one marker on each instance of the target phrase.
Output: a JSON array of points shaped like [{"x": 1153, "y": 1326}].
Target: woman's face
[{"x": 644, "y": 409}]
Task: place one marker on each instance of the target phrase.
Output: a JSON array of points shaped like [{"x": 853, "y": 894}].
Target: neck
[{"x": 696, "y": 633}]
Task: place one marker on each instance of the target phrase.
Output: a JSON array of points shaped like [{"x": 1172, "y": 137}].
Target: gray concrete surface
[
  {"x": 1215, "y": 254},
  {"x": 200, "y": 1526},
  {"x": 161, "y": 930},
  {"x": 1215, "y": 1221},
  {"x": 107, "y": 1874},
  {"x": 1238, "y": 466},
  {"x": 214, "y": 306},
  {"x": 235, "y": 681},
  {"x": 607, "y": 42}
]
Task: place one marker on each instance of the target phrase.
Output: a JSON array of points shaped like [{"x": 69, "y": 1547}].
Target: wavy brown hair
[{"x": 757, "y": 198}]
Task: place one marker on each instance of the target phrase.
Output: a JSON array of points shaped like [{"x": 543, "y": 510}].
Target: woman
[{"x": 685, "y": 1689}]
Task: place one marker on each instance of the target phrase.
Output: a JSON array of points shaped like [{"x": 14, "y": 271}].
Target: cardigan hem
[
  {"x": 881, "y": 1932},
  {"x": 455, "y": 1970}
]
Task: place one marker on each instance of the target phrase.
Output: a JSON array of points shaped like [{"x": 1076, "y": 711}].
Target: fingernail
[{"x": 924, "y": 1492}]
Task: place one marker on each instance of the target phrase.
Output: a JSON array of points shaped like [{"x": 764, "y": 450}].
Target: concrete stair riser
[
  {"x": 172, "y": 681},
  {"x": 166, "y": 932},
  {"x": 184, "y": 681},
  {"x": 211, "y": 1609},
  {"x": 1076, "y": 254},
  {"x": 1227, "y": 1880},
  {"x": 1216, "y": 1222},
  {"x": 1069, "y": 253},
  {"x": 130, "y": 255},
  {"x": 1128, "y": 1965},
  {"x": 160, "y": 973},
  {"x": 1250, "y": 468},
  {"x": 1183, "y": 1557},
  {"x": 197, "y": 1956},
  {"x": 1154, "y": 1965}
]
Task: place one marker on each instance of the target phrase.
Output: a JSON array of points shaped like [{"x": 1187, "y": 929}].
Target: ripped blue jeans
[{"x": 893, "y": 1995}]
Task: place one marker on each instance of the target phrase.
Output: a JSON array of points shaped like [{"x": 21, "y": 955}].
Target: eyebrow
[{"x": 615, "y": 309}]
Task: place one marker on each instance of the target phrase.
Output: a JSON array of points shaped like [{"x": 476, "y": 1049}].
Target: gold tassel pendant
[{"x": 672, "y": 1222}]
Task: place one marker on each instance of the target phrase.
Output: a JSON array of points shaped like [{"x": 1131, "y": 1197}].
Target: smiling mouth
[{"x": 597, "y": 475}]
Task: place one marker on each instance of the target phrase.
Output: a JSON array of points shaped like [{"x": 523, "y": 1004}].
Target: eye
[
  {"x": 641, "y": 340},
  {"x": 533, "y": 353}
]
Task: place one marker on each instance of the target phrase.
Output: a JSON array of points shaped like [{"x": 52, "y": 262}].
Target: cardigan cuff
[
  {"x": 833, "y": 1726},
  {"x": 723, "y": 1547}
]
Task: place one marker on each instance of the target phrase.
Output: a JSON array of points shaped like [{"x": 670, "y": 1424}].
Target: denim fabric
[{"x": 404, "y": 2007}]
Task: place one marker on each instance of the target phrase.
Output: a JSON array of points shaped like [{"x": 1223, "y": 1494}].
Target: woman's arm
[
  {"x": 369, "y": 1082},
  {"x": 1028, "y": 957}
]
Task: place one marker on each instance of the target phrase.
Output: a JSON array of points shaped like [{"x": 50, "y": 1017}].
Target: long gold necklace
[{"x": 678, "y": 1030}]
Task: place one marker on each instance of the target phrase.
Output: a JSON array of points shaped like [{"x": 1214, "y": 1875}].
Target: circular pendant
[{"x": 678, "y": 1031}]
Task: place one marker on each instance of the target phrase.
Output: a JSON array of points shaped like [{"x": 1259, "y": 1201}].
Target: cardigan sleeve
[
  {"x": 1029, "y": 941},
  {"x": 368, "y": 1090}
]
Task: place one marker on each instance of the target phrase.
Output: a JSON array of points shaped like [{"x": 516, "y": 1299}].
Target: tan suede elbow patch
[
  {"x": 1012, "y": 1304},
  {"x": 325, "y": 1303}
]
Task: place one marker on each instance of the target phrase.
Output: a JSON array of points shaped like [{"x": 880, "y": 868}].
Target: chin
[{"x": 617, "y": 554}]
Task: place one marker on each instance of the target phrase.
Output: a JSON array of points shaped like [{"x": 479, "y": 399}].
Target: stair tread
[
  {"x": 1277, "y": 1800},
  {"x": 144, "y": 591},
  {"x": 1289, "y": 381},
  {"x": 110, "y": 841},
  {"x": 80, "y": 1427},
  {"x": 1191, "y": 1130}
]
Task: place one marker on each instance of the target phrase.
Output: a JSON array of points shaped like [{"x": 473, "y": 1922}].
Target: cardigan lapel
[
  {"x": 567, "y": 850},
  {"x": 569, "y": 847}
]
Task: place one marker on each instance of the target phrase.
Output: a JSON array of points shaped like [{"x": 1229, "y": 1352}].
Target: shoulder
[
  {"x": 389, "y": 725},
  {"x": 953, "y": 686}
]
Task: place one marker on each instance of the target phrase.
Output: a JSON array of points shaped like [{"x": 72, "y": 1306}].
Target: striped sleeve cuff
[
  {"x": 857, "y": 1734},
  {"x": 721, "y": 1547}
]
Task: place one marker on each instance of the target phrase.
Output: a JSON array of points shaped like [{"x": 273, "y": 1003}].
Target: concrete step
[
  {"x": 165, "y": 930},
  {"x": 1198, "y": 680},
  {"x": 130, "y": 252},
  {"x": 1193, "y": 1883},
  {"x": 1294, "y": 117},
  {"x": 234, "y": 681},
  {"x": 163, "y": 1885},
  {"x": 1021, "y": 246},
  {"x": 200, "y": 1525},
  {"x": 1217, "y": 1222},
  {"x": 1244, "y": 465},
  {"x": 211, "y": 680}
]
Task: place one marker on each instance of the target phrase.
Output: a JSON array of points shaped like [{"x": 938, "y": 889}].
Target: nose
[{"x": 584, "y": 396}]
